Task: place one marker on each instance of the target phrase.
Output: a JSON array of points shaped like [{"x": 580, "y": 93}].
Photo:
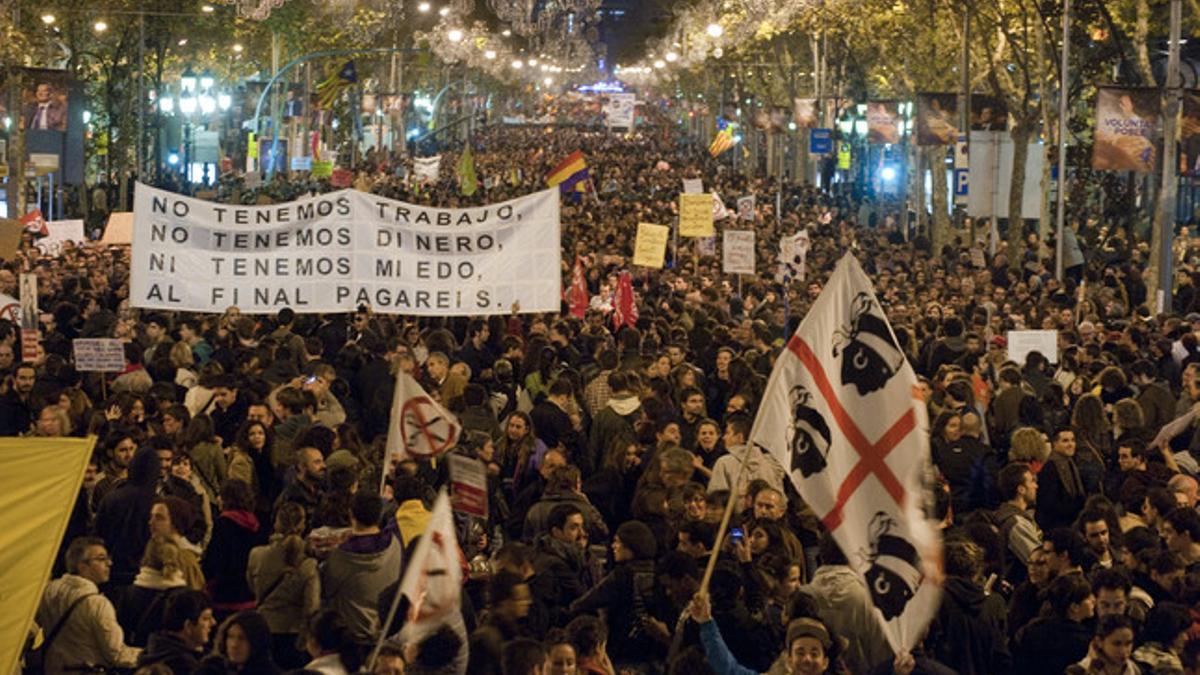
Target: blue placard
[{"x": 820, "y": 141}]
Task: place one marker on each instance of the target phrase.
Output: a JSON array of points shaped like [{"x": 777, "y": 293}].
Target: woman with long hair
[
  {"x": 612, "y": 488},
  {"x": 200, "y": 442},
  {"x": 519, "y": 451},
  {"x": 250, "y": 462},
  {"x": 1093, "y": 441},
  {"x": 286, "y": 584},
  {"x": 235, "y": 533}
]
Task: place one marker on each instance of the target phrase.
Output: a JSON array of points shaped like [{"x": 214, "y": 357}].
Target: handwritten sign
[
  {"x": 1021, "y": 342},
  {"x": 738, "y": 246},
  {"x": 651, "y": 247},
  {"x": 696, "y": 215},
  {"x": 693, "y": 186},
  {"x": 99, "y": 355}
]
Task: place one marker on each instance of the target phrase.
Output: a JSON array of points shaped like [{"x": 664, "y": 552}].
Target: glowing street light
[
  {"x": 237, "y": 48},
  {"x": 207, "y": 9},
  {"x": 454, "y": 35},
  {"x": 517, "y": 64},
  {"x": 715, "y": 30},
  {"x": 660, "y": 64},
  {"x": 48, "y": 19},
  {"x": 445, "y": 11},
  {"x": 424, "y": 7},
  {"x": 672, "y": 57},
  {"x": 100, "y": 26},
  {"x": 489, "y": 54}
]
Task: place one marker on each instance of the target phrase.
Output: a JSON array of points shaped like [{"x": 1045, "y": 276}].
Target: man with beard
[{"x": 559, "y": 562}]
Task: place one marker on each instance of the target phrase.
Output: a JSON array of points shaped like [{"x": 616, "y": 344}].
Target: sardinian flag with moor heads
[{"x": 843, "y": 415}]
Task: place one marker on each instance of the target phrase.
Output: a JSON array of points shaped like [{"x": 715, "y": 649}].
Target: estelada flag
[
  {"x": 34, "y": 222},
  {"x": 419, "y": 426},
  {"x": 625, "y": 312},
  {"x": 434, "y": 577},
  {"x": 721, "y": 142},
  {"x": 843, "y": 415},
  {"x": 569, "y": 172},
  {"x": 331, "y": 87},
  {"x": 577, "y": 294}
]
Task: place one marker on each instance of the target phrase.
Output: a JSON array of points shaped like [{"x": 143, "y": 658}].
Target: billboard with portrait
[
  {"x": 937, "y": 119},
  {"x": 45, "y": 100}
]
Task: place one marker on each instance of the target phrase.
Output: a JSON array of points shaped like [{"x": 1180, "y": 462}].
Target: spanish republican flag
[
  {"x": 569, "y": 172},
  {"x": 721, "y": 142}
]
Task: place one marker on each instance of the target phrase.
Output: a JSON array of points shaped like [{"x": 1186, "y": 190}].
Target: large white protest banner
[
  {"x": 336, "y": 251},
  {"x": 620, "y": 110}
]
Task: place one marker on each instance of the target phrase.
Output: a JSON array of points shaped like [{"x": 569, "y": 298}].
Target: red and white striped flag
[{"x": 842, "y": 414}]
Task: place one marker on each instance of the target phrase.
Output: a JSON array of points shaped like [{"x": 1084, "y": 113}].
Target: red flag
[
  {"x": 577, "y": 294},
  {"x": 625, "y": 311},
  {"x": 34, "y": 222}
]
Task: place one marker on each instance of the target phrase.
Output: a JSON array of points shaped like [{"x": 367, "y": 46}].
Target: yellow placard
[
  {"x": 696, "y": 215},
  {"x": 651, "y": 247}
]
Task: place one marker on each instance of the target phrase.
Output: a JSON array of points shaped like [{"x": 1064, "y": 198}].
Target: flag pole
[
  {"x": 383, "y": 629},
  {"x": 721, "y": 529}
]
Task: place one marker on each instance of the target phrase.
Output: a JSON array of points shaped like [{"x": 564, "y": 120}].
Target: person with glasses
[{"x": 79, "y": 625}]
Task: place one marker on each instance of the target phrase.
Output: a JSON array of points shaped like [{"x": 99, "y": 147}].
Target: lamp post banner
[{"x": 337, "y": 251}]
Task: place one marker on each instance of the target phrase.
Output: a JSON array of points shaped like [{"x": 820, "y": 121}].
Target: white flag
[
  {"x": 433, "y": 579},
  {"x": 719, "y": 210},
  {"x": 426, "y": 168},
  {"x": 419, "y": 426},
  {"x": 843, "y": 416}
]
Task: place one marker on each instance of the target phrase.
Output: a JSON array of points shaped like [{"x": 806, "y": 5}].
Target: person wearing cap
[
  {"x": 627, "y": 593},
  {"x": 810, "y": 647}
]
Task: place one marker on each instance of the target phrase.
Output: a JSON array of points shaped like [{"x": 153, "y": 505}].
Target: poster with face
[
  {"x": 804, "y": 113},
  {"x": 937, "y": 119},
  {"x": 988, "y": 113},
  {"x": 1189, "y": 134},
  {"x": 883, "y": 122},
  {"x": 44, "y": 100},
  {"x": 1126, "y": 130}
]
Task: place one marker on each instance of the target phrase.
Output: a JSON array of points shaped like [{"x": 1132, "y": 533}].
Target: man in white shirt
[{"x": 89, "y": 635}]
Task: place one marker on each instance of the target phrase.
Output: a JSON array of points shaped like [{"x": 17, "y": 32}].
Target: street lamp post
[{"x": 199, "y": 99}]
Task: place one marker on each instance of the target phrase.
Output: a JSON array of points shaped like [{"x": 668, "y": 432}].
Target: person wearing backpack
[
  {"x": 1018, "y": 487},
  {"x": 79, "y": 624}
]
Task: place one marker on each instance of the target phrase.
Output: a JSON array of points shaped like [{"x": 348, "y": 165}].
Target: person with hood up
[
  {"x": 968, "y": 633},
  {"x": 759, "y": 465},
  {"x": 123, "y": 519},
  {"x": 626, "y": 593},
  {"x": 359, "y": 570},
  {"x": 235, "y": 533}
]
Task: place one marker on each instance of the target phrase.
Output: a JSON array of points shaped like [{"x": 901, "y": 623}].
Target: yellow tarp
[{"x": 39, "y": 481}]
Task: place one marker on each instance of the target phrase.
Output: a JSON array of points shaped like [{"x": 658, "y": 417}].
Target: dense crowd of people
[{"x": 232, "y": 520}]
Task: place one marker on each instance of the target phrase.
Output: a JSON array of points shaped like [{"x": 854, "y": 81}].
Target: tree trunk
[
  {"x": 1016, "y": 191},
  {"x": 940, "y": 224}
]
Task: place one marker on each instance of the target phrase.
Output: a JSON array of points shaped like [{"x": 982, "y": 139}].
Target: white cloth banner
[
  {"x": 336, "y": 251},
  {"x": 843, "y": 416},
  {"x": 58, "y": 232},
  {"x": 426, "y": 168},
  {"x": 738, "y": 249}
]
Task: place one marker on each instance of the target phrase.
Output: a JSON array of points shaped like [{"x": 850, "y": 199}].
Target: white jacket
[
  {"x": 91, "y": 635},
  {"x": 759, "y": 465}
]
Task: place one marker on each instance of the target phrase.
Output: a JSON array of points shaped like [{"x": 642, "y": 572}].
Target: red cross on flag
[{"x": 842, "y": 415}]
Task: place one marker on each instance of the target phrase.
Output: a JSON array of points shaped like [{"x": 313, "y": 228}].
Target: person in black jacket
[
  {"x": 187, "y": 624},
  {"x": 626, "y": 594},
  {"x": 1055, "y": 640},
  {"x": 553, "y": 426},
  {"x": 123, "y": 519},
  {"x": 235, "y": 532},
  {"x": 559, "y": 562},
  {"x": 1060, "y": 488},
  {"x": 968, "y": 633}
]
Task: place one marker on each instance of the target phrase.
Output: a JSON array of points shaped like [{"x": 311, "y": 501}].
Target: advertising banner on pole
[
  {"x": 337, "y": 251},
  {"x": 937, "y": 119},
  {"x": 1126, "y": 123},
  {"x": 883, "y": 122}
]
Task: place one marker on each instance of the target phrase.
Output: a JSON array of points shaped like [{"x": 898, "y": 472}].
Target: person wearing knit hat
[
  {"x": 636, "y": 539},
  {"x": 627, "y": 594}
]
